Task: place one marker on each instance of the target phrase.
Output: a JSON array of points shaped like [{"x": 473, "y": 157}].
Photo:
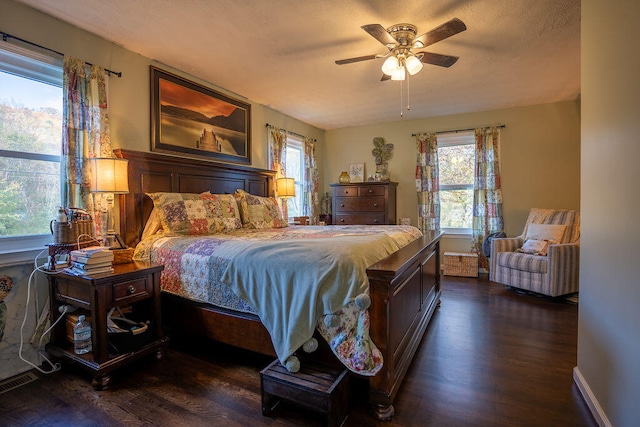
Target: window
[
  {"x": 294, "y": 165},
  {"x": 456, "y": 164},
  {"x": 30, "y": 144}
]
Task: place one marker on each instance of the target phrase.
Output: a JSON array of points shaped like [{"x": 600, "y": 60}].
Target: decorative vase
[
  {"x": 382, "y": 172},
  {"x": 344, "y": 178}
]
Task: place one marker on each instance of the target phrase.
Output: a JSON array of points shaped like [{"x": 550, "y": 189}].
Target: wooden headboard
[{"x": 152, "y": 172}]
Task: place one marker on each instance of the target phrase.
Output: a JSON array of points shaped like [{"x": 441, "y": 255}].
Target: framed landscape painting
[{"x": 190, "y": 119}]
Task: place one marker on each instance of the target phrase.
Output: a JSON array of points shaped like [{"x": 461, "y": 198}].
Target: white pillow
[{"x": 551, "y": 232}]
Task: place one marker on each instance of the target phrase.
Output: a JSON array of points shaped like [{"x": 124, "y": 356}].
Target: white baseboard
[{"x": 590, "y": 399}]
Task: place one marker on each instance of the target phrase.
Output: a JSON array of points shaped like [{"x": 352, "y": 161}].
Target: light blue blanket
[{"x": 292, "y": 284}]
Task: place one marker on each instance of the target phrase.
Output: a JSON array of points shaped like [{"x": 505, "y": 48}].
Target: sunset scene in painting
[{"x": 179, "y": 96}]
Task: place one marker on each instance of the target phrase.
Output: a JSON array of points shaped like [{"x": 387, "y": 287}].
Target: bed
[{"x": 404, "y": 287}]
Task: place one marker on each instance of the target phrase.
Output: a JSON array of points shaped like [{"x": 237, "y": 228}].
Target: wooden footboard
[
  {"x": 404, "y": 287},
  {"x": 405, "y": 291}
]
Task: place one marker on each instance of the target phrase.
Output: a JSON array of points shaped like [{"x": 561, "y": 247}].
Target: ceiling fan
[{"x": 400, "y": 39}]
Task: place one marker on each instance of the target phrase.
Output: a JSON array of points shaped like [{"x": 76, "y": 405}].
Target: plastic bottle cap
[{"x": 81, "y": 318}]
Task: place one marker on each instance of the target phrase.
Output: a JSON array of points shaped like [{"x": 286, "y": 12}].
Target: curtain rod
[
  {"x": 292, "y": 133},
  {"x": 6, "y": 37},
  {"x": 463, "y": 130}
]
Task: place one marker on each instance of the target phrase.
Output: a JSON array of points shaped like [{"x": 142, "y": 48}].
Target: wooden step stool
[{"x": 319, "y": 387}]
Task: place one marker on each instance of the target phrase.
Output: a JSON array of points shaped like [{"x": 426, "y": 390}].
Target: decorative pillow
[
  {"x": 552, "y": 233},
  {"x": 259, "y": 212},
  {"x": 194, "y": 214},
  {"x": 225, "y": 207},
  {"x": 535, "y": 247}
]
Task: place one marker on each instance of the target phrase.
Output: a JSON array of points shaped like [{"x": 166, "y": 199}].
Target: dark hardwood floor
[{"x": 491, "y": 357}]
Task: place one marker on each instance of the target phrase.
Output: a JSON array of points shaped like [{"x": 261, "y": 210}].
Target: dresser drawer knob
[
  {"x": 342, "y": 205},
  {"x": 131, "y": 289},
  {"x": 370, "y": 191},
  {"x": 341, "y": 219},
  {"x": 375, "y": 220},
  {"x": 375, "y": 205}
]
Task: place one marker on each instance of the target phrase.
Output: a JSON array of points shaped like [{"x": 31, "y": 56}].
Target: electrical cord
[{"x": 54, "y": 366}]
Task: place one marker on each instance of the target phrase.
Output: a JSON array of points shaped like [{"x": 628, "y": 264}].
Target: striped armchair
[{"x": 554, "y": 274}]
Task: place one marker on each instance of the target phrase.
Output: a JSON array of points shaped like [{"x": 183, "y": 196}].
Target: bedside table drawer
[{"x": 132, "y": 289}]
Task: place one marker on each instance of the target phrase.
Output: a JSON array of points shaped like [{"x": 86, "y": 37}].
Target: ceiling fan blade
[
  {"x": 442, "y": 32},
  {"x": 380, "y": 33},
  {"x": 437, "y": 59},
  {"x": 356, "y": 59}
]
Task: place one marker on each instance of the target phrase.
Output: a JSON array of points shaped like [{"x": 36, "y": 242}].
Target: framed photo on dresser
[{"x": 356, "y": 172}]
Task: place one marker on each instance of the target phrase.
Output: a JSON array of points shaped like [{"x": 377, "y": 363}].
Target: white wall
[{"x": 609, "y": 312}]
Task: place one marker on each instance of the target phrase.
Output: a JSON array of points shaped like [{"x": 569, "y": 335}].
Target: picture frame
[
  {"x": 190, "y": 119},
  {"x": 356, "y": 172}
]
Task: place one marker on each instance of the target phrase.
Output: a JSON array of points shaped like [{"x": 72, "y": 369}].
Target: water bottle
[{"x": 82, "y": 336}]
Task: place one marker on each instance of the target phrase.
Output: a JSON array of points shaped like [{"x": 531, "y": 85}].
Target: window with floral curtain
[
  {"x": 427, "y": 182},
  {"x": 487, "y": 194},
  {"x": 85, "y": 130},
  {"x": 306, "y": 172}
]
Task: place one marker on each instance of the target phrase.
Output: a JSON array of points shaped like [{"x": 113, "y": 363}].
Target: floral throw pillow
[
  {"x": 259, "y": 212},
  {"x": 194, "y": 214},
  {"x": 225, "y": 207},
  {"x": 535, "y": 247}
]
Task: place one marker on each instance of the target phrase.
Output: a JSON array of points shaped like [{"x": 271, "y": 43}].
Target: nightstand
[{"x": 134, "y": 286}]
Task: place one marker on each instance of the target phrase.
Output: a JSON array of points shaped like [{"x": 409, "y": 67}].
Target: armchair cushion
[{"x": 523, "y": 262}]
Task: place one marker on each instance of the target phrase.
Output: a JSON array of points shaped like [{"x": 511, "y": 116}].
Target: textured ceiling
[{"x": 281, "y": 53}]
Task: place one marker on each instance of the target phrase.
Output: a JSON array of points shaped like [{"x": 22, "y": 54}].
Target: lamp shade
[
  {"x": 413, "y": 65},
  {"x": 109, "y": 175},
  {"x": 398, "y": 74},
  {"x": 286, "y": 187},
  {"x": 390, "y": 65}
]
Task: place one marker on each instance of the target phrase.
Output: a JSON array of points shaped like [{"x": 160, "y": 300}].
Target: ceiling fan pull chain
[
  {"x": 401, "y": 112},
  {"x": 408, "y": 99}
]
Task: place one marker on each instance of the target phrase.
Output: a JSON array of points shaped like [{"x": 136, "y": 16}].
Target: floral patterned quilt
[{"x": 296, "y": 279}]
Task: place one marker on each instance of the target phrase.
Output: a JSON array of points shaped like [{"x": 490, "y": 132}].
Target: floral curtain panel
[
  {"x": 85, "y": 130},
  {"x": 487, "y": 192},
  {"x": 310, "y": 203},
  {"x": 427, "y": 184},
  {"x": 277, "y": 156}
]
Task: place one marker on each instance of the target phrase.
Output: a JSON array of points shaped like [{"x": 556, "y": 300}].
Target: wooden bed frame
[{"x": 404, "y": 287}]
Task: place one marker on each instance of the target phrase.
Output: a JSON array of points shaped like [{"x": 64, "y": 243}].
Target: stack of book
[{"x": 91, "y": 260}]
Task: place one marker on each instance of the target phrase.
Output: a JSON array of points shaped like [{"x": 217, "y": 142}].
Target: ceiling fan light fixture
[
  {"x": 390, "y": 65},
  {"x": 413, "y": 65},
  {"x": 398, "y": 74}
]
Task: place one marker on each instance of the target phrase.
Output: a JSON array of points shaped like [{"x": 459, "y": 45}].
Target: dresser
[{"x": 364, "y": 203}]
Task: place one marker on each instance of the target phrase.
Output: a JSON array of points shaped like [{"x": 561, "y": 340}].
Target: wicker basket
[
  {"x": 462, "y": 264},
  {"x": 69, "y": 232},
  {"x": 122, "y": 256}
]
